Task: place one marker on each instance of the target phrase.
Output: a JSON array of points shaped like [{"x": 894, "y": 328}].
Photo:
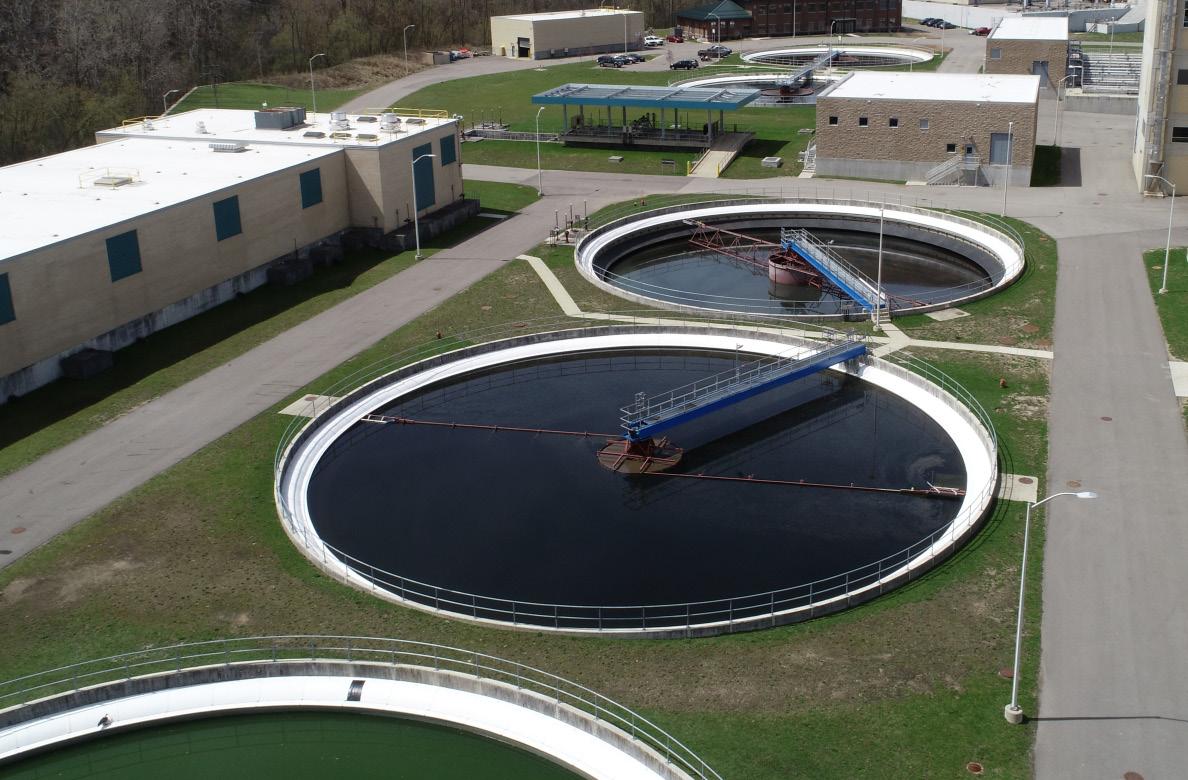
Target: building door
[
  {"x": 523, "y": 47},
  {"x": 1040, "y": 68},
  {"x": 1000, "y": 148}
]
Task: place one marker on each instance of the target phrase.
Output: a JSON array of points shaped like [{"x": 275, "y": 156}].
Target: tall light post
[
  {"x": 878, "y": 324},
  {"x": 165, "y": 101},
  {"x": 1006, "y": 179},
  {"x": 539, "y": 182},
  {"x": 624, "y": 33},
  {"x": 717, "y": 28},
  {"x": 1170, "y": 212},
  {"x": 1013, "y": 712},
  {"x": 416, "y": 223},
  {"x": 1056, "y": 124},
  {"x": 312, "y": 93},
  {"x": 404, "y": 35}
]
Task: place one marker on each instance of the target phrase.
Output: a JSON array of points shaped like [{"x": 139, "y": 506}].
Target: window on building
[
  {"x": 226, "y": 217},
  {"x": 123, "y": 255},
  {"x": 423, "y": 176},
  {"x": 311, "y": 188},
  {"x": 1186, "y": 13},
  {"x": 923, "y": 124},
  {"x": 996, "y": 54},
  {"x": 951, "y": 148},
  {"x": 1182, "y": 76},
  {"x": 863, "y": 121},
  {"x": 1180, "y": 135},
  {"x": 449, "y": 151},
  {"x": 7, "y": 314},
  {"x": 893, "y": 122},
  {"x": 833, "y": 120}
]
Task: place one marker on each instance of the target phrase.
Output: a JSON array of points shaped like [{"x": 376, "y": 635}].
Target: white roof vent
[
  {"x": 339, "y": 121},
  {"x": 228, "y": 146},
  {"x": 390, "y": 123},
  {"x": 111, "y": 178},
  {"x": 200, "y": 128},
  {"x": 148, "y": 124}
]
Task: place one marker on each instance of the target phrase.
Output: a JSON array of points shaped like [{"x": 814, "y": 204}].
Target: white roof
[
  {"x": 1031, "y": 28},
  {"x": 955, "y": 87},
  {"x": 240, "y": 125},
  {"x": 54, "y": 198},
  {"x": 545, "y": 16}
]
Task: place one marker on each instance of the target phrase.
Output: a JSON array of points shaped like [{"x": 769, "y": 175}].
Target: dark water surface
[
  {"x": 292, "y": 746},
  {"x": 674, "y": 270},
  {"x": 535, "y": 518}
]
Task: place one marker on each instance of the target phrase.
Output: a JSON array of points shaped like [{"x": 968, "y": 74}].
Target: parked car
[
  {"x": 611, "y": 61},
  {"x": 632, "y": 57},
  {"x": 653, "y": 40},
  {"x": 928, "y": 20},
  {"x": 980, "y": 31},
  {"x": 947, "y": 26},
  {"x": 684, "y": 65},
  {"x": 676, "y": 39}
]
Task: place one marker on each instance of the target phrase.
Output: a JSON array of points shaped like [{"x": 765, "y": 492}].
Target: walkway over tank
[
  {"x": 645, "y": 416},
  {"x": 829, "y": 264}
]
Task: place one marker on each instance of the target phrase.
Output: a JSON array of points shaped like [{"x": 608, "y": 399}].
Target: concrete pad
[
  {"x": 1179, "y": 375},
  {"x": 309, "y": 405},
  {"x": 1018, "y": 487},
  {"x": 944, "y": 315},
  {"x": 556, "y": 289}
]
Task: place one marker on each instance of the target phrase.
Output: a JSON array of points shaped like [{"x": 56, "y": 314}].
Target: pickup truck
[{"x": 715, "y": 52}]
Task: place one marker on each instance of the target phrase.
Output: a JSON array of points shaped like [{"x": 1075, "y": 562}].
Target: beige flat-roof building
[
  {"x": 1035, "y": 45},
  {"x": 928, "y": 127},
  {"x": 567, "y": 33},
  {"x": 166, "y": 218}
]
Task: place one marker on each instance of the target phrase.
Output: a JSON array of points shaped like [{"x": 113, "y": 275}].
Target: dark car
[
  {"x": 980, "y": 31},
  {"x": 676, "y": 39},
  {"x": 631, "y": 57},
  {"x": 947, "y": 26},
  {"x": 611, "y": 61},
  {"x": 927, "y": 21},
  {"x": 684, "y": 65},
  {"x": 715, "y": 52}
]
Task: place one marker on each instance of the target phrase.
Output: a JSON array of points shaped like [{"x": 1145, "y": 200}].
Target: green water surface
[{"x": 292, "y": 746}]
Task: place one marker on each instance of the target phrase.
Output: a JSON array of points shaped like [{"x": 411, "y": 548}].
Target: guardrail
[
  {"x": 800, "y": 601},
  {"x": 267, "y": 650}
]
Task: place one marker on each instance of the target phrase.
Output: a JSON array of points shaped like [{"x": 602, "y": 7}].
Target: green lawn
[
  {"x": 1172, "y": 305},
  {"x": 63, "y": 411},
  {"x": 198, "y": 553},
  {"x": 245, "y": 94},
  {"x": 1119, "y": 37}
]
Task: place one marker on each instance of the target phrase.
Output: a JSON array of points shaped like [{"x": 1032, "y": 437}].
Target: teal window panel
[
  {"x": 7, "y": 312},
  {"x": 226, "y": 217},
  {"x": 311, "y": 188},
  {"x": 423, "y": 176},
  {"x": 449, "y": 150},
  {"x": 123, "y": 255}
]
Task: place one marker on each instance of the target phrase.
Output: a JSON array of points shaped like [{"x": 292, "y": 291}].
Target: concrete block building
[
  {"x": 166, "y": 218},
  {"x": 931, "y": 127},
  {"x": 567, "y": 33},
  {"x": 726, "y": 19},
  {"x": 1035, "y": 45}
]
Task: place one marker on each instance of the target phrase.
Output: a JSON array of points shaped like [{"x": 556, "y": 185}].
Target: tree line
[{"x": 70, "y": 67}]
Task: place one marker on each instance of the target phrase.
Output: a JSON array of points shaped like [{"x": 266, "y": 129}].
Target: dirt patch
[
  {"x": 354, "y": 74},
  {"x": 1027, "y": 407},
  {"x": 85, "y": 578},
  {"x": 15, "y": 590}
]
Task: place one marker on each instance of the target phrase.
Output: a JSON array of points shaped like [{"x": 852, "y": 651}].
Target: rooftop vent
[
  {"x": 390, "y": 123},
  {"x": 367, "y": 136},
  {"x": 228, "y": 146},
  {"x": 339, "y": 120},
  {"x": 367, "y": 118},
  {"x": 200, "y": 128},
  {"x": 313, "y": 134},
  {"x": 148, "y": 124},
  {"x": 111, "y": 178}
]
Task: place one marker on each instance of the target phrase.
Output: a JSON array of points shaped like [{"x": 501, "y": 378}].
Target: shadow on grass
[{"x": 28, "y": 414}]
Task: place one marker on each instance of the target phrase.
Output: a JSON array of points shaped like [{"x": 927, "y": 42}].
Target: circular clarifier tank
[
  {"x": 843, "y": 57},
  {"x": 733, "y": 257},
  {"x": 475, "y": 488}
]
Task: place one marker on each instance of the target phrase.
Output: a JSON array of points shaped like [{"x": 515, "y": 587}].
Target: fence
[
  {"x": 270, "y": 651},
  {"x": 788, "y": 604}
]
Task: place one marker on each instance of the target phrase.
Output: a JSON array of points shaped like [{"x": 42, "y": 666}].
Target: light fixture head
[{"x": 1086, "y": 494}]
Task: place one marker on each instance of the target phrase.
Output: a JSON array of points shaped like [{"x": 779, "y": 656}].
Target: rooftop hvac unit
[
  {"x": 279, "y": 118},
  {"x": 366, "y": 118},
  {"x": 200, "y": 128},
  {"x": 390, "y": 123},
  {"x": 314, "y": 134},
  {"x": 339, "y": 121},
  {"x": 230, "y": 146}
]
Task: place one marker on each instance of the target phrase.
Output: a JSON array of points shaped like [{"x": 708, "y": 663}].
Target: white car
[{"x": 653, "y": 40}]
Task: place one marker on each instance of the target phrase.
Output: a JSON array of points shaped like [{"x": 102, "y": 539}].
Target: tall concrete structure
[
  {"x": 168, "y": 217},
  {"x": 917, "y": 126},
  {"x": 567, "y": 33},
  {"x": 1161, "y": 131}
]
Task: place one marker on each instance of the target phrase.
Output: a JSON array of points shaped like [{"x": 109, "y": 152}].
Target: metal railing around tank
[
  {"x": 353, "y": 649},
  {"x": 799, "y": 601}
]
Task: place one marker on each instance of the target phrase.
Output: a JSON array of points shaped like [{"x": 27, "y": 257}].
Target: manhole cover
[
  {"x": 1073, "y": 483},
  {"x": 974, "y": 768},
  {"x": 1025, "y": 480},
  {"x": 1006, "y": 673},
  {"x": 20, "y": 529},
  {"x": 1107, "y": 419},
  {"x": 1132, "y": 776}
]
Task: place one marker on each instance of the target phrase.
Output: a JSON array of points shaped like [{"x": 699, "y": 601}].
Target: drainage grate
[{"x": 356, "y": 691}]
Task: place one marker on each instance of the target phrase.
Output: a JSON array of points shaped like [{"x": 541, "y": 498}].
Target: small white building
[{"x": 567, "y": 33}]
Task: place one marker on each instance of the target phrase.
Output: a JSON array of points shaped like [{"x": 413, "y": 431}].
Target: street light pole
[
  {"x": 165, "y": 101},
  {"x": 539, "y": 183},
  {"x": 1013, "y": 712},
  {"x": 1056, "y": 124},
  {"x": 416, "y": 222},
  {"x": 312, "y": 93},
  {"x": 1006, "y": 179},
  {"x": 879, "y": 277},
  {"x": 404, "y": 35},
  {"x": 717, "y": 28},
  {"x": 1170, "y": 212}
]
